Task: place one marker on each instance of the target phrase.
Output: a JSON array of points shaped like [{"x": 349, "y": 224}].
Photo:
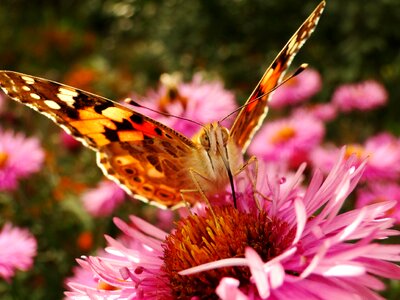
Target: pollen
[
  {"x": 283, "y": 135},
  {"x": 356, "y": 150},
  {"x": 206, "y": 239}
]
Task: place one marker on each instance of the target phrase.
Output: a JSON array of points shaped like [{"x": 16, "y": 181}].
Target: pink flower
[
  {"x": 83, "y": 274},
  {"x": 131, "y": 269},
  {"x": 323, "y": 111},
  {"x": 363, "y": 96},
  {"x": 68, "y": 141},
  {"x": 291, "y": 245},
  {"x": 17, "y": 249},
  {"x": 382, "y": 152},
  {"x": 19, "y": 157},
  {"x": 297, "y": 89},
  {"x": 288, "y": 140},
  {"x": 377, "y": 192},
  {"x": 102, "y": 200},
  {"x": 200, "y": 101}
]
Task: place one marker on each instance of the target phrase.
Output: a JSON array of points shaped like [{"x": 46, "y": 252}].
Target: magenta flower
[
  {"x": 19, "y": 157},
  {"x": 382, "y": 152},
  {"x": 297, "y": 90},
  {"x": 288, "y": 140},
  {"x": 68, "y": 141},
  {"x": 363, "y": 96},
  {"x": 198, "y": 100},
  {"x": 293, "y": 244},
  {"x": 377, "y": 192},
  {"x": 323, "y": 111},
  {"x": 102, "y": 200},
  {"x": 17, "y": 250}
]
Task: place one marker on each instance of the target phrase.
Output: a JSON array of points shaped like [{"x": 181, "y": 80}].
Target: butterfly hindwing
[
  {"x": 252, "y": 115},
  {"x": 134, "y": 150}
]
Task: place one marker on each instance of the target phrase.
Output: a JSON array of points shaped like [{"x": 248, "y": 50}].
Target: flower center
[
  {"x": 172, "y": 93},
  {"x": 283, "y": 135},
  {"x": 203, "y": 239},
  {"x": 356, "y": 150},
  {"x": 3, "y": 159}
]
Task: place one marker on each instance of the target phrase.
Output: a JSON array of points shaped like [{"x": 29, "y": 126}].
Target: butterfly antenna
[
  {"x": 294, "y": 74},
  {"x": 134, "y": 103}
]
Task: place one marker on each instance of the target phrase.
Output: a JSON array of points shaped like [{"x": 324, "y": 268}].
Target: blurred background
[{"x": 118, "y": 47}]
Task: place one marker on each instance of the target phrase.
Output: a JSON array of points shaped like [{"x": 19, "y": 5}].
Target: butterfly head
[{"x": 213, "y": 137}]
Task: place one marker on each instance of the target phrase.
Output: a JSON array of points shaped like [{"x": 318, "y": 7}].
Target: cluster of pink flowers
[
  {"x": 285, "y": 240},
  {"x": 293, "y": 242},
  {"x": 286, "y": 237}
]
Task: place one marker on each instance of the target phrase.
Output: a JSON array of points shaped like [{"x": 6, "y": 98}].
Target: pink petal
[
  {"x": 301, "y": 216},
  {"x": 257, "y": 272},
  {"x": 228, "y": 289}
]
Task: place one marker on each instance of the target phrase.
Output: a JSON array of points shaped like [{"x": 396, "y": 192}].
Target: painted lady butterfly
[{"x": 148, "y": 159}]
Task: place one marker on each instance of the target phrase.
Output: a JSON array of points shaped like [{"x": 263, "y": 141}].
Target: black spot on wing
[
  {"x": 81, "y": 101},
  {"x": 124, "y": 125},
  {"x": 100, "y": 107},
  {"x": 70, "y": 112},
  {"x": 158, "y": 131},
  {"x": 138, "y": 119},
  {"x": 111, "y": 134}
]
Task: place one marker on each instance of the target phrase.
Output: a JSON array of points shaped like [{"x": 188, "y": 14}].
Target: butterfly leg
[
  {"x": 193, "y": 173},
  {"x": 253, "y": 177}
]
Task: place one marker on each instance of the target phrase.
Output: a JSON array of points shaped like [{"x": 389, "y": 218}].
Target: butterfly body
[
  {"x": 150, "y": 160},
  {"x": 217, "y": 157}
]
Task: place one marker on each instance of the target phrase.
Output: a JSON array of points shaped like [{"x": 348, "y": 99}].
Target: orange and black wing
[
  {"x": 138, "y": 152},
  {"x": 252, "y": 115}
]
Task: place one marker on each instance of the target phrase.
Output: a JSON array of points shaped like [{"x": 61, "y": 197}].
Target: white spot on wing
[
  {"x": 28, "y": 80},
  {"x": 52, "y": 104},
  {"x": 67, "y": 92},
  {"x": 26, "y": 88},
  {"x": 67, "y": 98},
  {"x": 34, "y": 96}
]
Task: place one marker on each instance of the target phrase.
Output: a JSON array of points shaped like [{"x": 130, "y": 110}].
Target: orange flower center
[
  {"x": 356, "y": 150},
  {"x": 203, "y": 239},
  {"x": 3, "y": 159},
  {"x": 283, "y": 135},
  {"x": 102, "y": 285}
]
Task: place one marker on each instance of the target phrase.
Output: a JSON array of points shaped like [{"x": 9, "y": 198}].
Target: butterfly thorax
[{"x": 216, "y": 155}]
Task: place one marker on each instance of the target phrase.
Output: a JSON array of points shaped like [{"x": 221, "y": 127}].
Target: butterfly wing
[
  {"x": 252, "y": 115},
  {"x": 142, "y": 155}
]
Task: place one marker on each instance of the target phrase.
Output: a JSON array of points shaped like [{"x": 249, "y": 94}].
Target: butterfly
[{"x": 151, "y": 161}]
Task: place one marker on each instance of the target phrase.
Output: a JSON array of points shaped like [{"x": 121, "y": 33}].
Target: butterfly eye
[
  {"x": 205, "y": 140},
  {"x": 225, "y": 135}
]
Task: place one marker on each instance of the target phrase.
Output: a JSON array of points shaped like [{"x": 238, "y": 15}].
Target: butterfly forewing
[
  {"x": 150, "y": 160},
  {"x": 252, "y": 115},
  {"x": 144, "y": 156}
]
